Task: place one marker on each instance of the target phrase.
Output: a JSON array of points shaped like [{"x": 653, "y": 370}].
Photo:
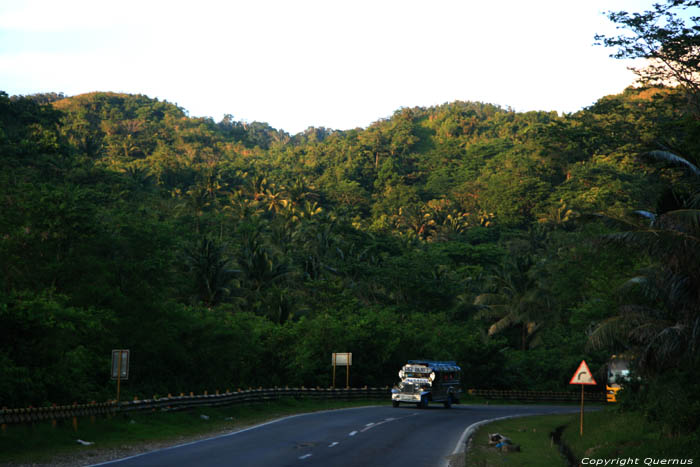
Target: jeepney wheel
[
  {"x": 423, "y": 404},
  {"x": 394, "y": 403},
  {"x": 448, "y": 402}
]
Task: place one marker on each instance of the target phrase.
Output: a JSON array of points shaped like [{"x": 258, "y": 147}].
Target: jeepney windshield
[{"x": 411, "y": 374}]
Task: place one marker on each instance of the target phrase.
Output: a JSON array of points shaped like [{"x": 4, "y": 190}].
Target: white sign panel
[
  {"x": 120, "y": 370},
  {"x": 342, "y": 359}
]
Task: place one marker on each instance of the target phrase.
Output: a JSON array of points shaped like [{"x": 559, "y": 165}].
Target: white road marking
[
  {"x": 371, "y": 426},
  {"x": 305, "y": 456},
  {"x": 352, "y": 433},
  {"x": 334, "y": 443},
  {"x": 115, "y": 461},
  {"x": 386, "y": 420}
]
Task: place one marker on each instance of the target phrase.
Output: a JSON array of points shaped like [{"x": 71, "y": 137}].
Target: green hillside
[{"x": 232, "y": 254}]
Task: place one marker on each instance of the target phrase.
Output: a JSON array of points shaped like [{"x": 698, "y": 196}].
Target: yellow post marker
[
  {"x": 581, "y": 429},
  {"x": 334, "y": 362},
  {"x": 119, "y": 374},
  {"x": 583, "y": 376}
]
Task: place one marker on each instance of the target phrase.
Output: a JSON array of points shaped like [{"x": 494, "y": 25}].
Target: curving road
[{"x": 366, "y": 436}]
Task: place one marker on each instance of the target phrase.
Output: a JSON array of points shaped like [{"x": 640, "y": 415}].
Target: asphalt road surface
[{"x": 379, "y": 436}]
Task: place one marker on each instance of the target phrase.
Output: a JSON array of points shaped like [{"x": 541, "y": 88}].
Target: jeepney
[
  {"x": 425, "y": 381},
  {"x": 618, "y": 373}
]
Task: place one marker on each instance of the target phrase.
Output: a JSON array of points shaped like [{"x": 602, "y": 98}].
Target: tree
[
  {"x": 669, "y": 41},
  {"x": 211, "y": 272},
  {"x": 514, "y": 300},
  {"x": 663, "y": 322}
]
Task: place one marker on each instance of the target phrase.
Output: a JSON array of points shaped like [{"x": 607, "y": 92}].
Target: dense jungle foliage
[{"x": 231, "y": 254}]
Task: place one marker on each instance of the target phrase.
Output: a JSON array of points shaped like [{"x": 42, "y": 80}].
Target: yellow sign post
[
  {"x": 342, "y": 359},
  {"x": 583, "y": 376}
]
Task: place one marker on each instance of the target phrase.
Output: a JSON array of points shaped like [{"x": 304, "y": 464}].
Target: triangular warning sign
[{"x": 583, "y": 375}]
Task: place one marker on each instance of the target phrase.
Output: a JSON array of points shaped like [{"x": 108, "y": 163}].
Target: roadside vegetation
[
  {"x": 607, "y": 434},
  {"x": 531, "y": 434}
]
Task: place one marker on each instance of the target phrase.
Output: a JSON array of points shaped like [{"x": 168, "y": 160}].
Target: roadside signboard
[
  {"x": 120, "y": 364},
  {"x": 120, "y": 367},
  {"x": 582, "y": 377},
  {"x": 342, "y": 359}
]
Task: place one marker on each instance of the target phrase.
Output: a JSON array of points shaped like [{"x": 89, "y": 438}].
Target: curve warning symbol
[{"x": 583, "y": 375}]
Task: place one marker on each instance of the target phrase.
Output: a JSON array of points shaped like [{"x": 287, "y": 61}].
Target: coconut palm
[
  {"x": 662, "y": 322},
  {"x": 211, "y": 271},
  {"x": 514, "y": 299},
  {"x": 259, "y": 268}
]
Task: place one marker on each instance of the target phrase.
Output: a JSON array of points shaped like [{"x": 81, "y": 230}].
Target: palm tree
[
  {"x": 417, "y": 222},
  {"x": 300, "y": 191},
  {"x": 212, "y": 275},
  {"x": 464, "y": 305},
  {"x": 514, "y": 299},
  {"x": 274, "y": 199},
  {"x": 260, "y": 270},
  {"x": 663, "y": 321}
]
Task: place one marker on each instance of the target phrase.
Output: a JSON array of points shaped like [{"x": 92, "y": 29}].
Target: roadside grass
[
  {"x": 607, "y": 434},
  {"x": 468, "y": 399},
  {"x": 531, "y": 433},
  {"x": 40, "y": 442},
  {"x": 610, "y": 434}
]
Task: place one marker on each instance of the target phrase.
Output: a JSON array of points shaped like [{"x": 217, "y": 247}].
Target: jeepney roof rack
[{"x": 449, "y": 365}]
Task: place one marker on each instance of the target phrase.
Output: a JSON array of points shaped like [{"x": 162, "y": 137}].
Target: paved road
[{"x": 379, "y": 436}]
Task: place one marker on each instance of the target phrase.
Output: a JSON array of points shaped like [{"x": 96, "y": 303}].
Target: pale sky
[{"x": 299, "y": 63}]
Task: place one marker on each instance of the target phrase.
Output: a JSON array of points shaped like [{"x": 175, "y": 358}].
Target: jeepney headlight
[
  {"x": 432, "y": 376},
  {"x": 401, "y": 373}
]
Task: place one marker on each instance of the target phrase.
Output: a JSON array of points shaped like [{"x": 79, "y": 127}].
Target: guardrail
[
  {"x": 181, "y": 402},
  {"x": 553, "y": 396},
  {"x": 53, "y": 413}
]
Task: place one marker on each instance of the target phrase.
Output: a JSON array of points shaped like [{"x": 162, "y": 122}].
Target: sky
[{"x": 329, "y": 63}]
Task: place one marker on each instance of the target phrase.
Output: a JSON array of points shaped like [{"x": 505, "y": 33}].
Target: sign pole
[
  {"x": 119, "y": 374},
  {"x": 347, "y": 375},
  {"x": 583, "y": 376},
  {"x": 334, "y": 358},
  {"x": 581, "y": 431},
  {"x": 121, "y": 365}
]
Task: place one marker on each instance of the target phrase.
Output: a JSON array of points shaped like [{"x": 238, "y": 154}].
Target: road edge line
[
  {"x": 461, "y": 446},
  {"x": 270, "y": 422}
]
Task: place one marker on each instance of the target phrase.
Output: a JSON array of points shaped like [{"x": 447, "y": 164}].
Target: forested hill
[
  {"x": 231, "y": 254},
  {"x": 475, "y": 161}
]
